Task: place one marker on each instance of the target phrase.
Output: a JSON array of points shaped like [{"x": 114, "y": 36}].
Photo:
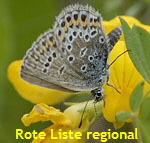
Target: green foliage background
[{"x": 21, "y": 22}]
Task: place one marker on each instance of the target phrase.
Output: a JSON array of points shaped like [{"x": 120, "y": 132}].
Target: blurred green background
[{"x": 21, "y": 22}]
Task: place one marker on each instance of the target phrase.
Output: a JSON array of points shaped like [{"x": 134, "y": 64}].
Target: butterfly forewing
[
  {"x": 72, "y": 56},
  {"x": 80, "y": 31},
  {"x": 42, "y": 64}
]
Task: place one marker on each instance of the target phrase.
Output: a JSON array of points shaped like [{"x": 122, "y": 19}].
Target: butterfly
[{"x": 73, "y": 55}]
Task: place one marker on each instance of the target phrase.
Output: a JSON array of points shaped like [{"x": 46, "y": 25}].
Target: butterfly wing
[
  {"x": 85, "y": 48},
  {"x": 71, "y": 57},
  {"x": 43, "y": 65}
]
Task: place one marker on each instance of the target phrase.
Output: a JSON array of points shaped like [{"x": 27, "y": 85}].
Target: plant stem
[{"x": 136, "y": 125}]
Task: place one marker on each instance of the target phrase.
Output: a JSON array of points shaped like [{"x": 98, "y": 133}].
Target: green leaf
[
  {"x": 144, "y": 111},
  {"x": 122, "y": 116},
  {"x": 144, "y": 117},
  {"x": 138, "y": 42},
  {"x": 136, "y": 97}
]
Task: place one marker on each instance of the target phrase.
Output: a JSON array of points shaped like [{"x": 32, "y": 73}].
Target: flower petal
[
  {"x": 115, "y": 22},
  {"x": 63, "y": 122},
  {"x": 124, "y": 76},
  {"x": 42, "y": 112}
]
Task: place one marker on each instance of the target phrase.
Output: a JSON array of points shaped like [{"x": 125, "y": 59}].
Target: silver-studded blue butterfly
[{"x": 72, "y": 57}]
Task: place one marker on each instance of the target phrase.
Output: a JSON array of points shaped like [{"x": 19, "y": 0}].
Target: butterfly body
[{"x": 73, "y": 55}]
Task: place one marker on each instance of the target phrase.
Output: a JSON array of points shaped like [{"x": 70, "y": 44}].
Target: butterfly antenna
[
  {"x": 117, "y": 58},
  {"x": 99, "y": 121},
  {"x": 95, "y": 109},
  {"x": 84, "y": 111}
]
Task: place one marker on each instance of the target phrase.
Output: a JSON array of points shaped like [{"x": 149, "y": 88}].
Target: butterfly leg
[{"x": 111, "y": 85}]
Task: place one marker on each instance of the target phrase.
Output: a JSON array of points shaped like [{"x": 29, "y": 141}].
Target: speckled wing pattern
[{"x": 73, "y": 55}]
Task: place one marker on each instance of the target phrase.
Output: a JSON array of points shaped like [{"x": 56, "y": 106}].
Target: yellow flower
[
  {"x": 115, "y": 22},
  {"x": 62, "y": 122},
  {"x": 123, "y": 75}
]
